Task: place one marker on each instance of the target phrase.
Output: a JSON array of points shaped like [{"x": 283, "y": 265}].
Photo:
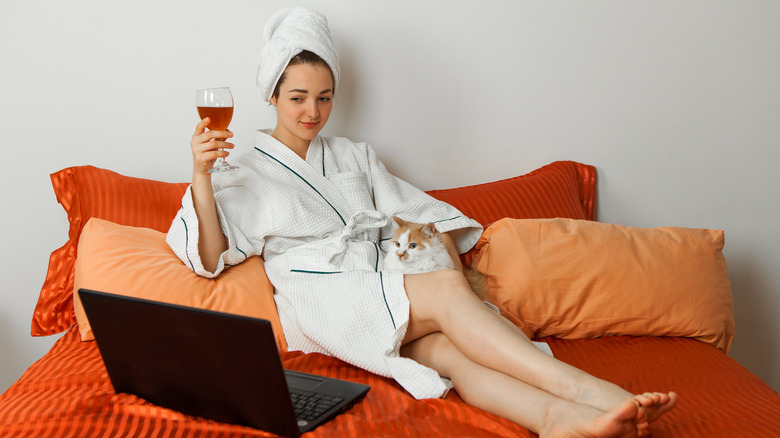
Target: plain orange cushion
[
  {"x": 581, "y": 279},
  {"x": 137, "y": 262}
]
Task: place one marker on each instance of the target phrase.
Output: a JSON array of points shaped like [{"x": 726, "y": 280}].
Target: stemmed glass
[{"x": 217, "y": 104}]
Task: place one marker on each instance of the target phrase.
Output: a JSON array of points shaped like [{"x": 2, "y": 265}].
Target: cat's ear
[
  {"x": 429, "y": 229},
  {"x": 400, "y": 222}
]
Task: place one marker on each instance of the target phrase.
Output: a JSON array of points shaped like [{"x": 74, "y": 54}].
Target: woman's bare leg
[
  {"x": 537, "y": 410},
  {"x": 442, "y": 302}
]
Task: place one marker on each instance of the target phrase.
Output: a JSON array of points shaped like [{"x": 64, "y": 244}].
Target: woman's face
[{"x": 304, "y": 104}]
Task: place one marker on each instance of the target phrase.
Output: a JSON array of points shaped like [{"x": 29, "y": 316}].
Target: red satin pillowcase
[
  {"x": 86, "y": 192},
  {"x": 564, "y": 189},
  {"x": 560, "y": 189}
]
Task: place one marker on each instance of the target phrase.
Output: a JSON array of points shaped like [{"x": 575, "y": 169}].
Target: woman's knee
[
  {"x": 437, "y": 284},
  {"x": 431, "y": 297},
  {"x": 431, "y": 292}
]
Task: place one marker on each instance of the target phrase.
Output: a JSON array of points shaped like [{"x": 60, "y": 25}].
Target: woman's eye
[{"x": 324, "y": 99}]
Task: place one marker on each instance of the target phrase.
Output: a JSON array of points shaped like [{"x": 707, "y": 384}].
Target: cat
[{"x": 417, "y": 248}]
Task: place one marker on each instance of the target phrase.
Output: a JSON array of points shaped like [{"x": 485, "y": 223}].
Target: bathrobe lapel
[{"x": 310, "y": 173}]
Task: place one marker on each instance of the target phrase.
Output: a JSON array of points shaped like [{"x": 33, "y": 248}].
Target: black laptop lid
[{"x": 208, "y": 364}]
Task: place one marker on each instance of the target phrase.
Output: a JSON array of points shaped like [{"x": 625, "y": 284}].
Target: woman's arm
[
  {"x": 449, "y": 242},
  {"x": 211, "y": 243}
]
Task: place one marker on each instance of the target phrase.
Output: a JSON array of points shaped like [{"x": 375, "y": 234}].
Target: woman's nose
[{"x": 313, "y": 110}]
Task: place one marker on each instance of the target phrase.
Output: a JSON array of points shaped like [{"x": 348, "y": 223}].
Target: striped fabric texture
[
  {"x": 85, "y": 192},
  {"x": 67, "y": 394},
  {"x": 564, "y": 189},
  {"x": 560, "y": 189}
]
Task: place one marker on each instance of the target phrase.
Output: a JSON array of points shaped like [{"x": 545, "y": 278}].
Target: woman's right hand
[{"x": 206, "y": 147}]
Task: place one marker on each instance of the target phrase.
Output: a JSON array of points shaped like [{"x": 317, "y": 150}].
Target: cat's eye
[
  {"x": 413, "y": 245},
  {"x": 397, "y": 245}
]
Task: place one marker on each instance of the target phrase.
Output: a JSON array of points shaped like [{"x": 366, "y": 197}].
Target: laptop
[{"x": 210, "y": 364}]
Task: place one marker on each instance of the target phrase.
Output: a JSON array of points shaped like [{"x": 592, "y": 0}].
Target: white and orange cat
[{"x": 417, "y": 248}]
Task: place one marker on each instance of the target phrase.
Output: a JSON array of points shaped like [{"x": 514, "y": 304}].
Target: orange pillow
[
  {"x": 582, "y": 279},
  {"x": 559, "y": 189},
  {"x": 87, "y": 192},
  {"x": 137, "y": 262}
]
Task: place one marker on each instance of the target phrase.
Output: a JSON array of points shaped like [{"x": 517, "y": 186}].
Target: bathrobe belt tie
[{"x": 360, "y": 223}]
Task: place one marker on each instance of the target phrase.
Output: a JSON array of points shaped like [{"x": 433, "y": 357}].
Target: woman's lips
[{"x": 309, "y": 125}]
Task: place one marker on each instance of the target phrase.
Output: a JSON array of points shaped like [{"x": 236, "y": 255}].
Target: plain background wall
[{"x": 676, "y": 103}]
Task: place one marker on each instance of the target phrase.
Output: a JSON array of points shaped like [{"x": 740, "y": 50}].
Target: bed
[{"x": 648, "y": 309}]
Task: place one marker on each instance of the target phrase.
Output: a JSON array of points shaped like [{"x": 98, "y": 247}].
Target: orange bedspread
[{"x": 67, "y": 393}]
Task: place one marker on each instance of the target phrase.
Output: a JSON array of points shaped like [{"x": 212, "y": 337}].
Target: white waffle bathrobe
[{"x": 322, "y": 227}]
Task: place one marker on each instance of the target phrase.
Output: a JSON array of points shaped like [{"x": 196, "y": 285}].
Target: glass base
[{"x": 222, "y": 166}]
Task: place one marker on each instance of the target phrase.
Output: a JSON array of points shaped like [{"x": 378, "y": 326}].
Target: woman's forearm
[
  {"x": 211, "y": 243},
  {"x": 206, "y": 147},
  {"x": 452, "y": 249}
]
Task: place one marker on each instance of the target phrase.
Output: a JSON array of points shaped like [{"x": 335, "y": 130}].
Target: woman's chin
[{"x": 308, "y": 134}]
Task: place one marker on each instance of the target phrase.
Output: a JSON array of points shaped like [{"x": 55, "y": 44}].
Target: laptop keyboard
[{"x": 309, "y": 405}]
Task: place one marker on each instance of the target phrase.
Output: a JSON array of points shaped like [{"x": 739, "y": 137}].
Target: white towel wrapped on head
[{"x": 287, "y": 33}]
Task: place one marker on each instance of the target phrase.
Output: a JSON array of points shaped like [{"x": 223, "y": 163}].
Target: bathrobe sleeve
[
  {"x": 183, "y": 236},
  {"x": 396, "y": 197}
]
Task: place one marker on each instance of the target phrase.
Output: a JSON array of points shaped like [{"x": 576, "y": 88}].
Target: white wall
[{"x": 676, "y": 103}]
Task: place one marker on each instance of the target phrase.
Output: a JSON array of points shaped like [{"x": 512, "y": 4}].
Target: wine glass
[{"x": 217, "y": 104}]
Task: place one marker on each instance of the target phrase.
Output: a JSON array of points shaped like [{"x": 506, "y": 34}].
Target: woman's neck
[{"x": 297, "y": 145}]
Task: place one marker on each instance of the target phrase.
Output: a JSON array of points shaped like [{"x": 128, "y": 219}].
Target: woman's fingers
[
  {"x": 201, "y": 126},
  {"x": 211, "y": 146},
  {"x": 208, "y": 136},
  {"x": 200, "y": 131},
  {"x": 221, "y": 136},
  {"x": 205, "y": 161},
  {"x": 207, "y": 146}
]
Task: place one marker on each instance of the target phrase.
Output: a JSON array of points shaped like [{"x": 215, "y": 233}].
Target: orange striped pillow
[
  {"x": 564, "y": 189},
  {"x": 560, "y": 189},
  {"x": 85, "y": 192}
]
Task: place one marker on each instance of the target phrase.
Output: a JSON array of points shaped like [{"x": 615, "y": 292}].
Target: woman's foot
[
  {"x": 655, "y": 404},
  {"x": 625, "y": 420},
  {"x": 605, "y": 395}
]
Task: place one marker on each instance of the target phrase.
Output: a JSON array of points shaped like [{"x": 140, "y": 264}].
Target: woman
[{"x": 317, "y": 210}]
